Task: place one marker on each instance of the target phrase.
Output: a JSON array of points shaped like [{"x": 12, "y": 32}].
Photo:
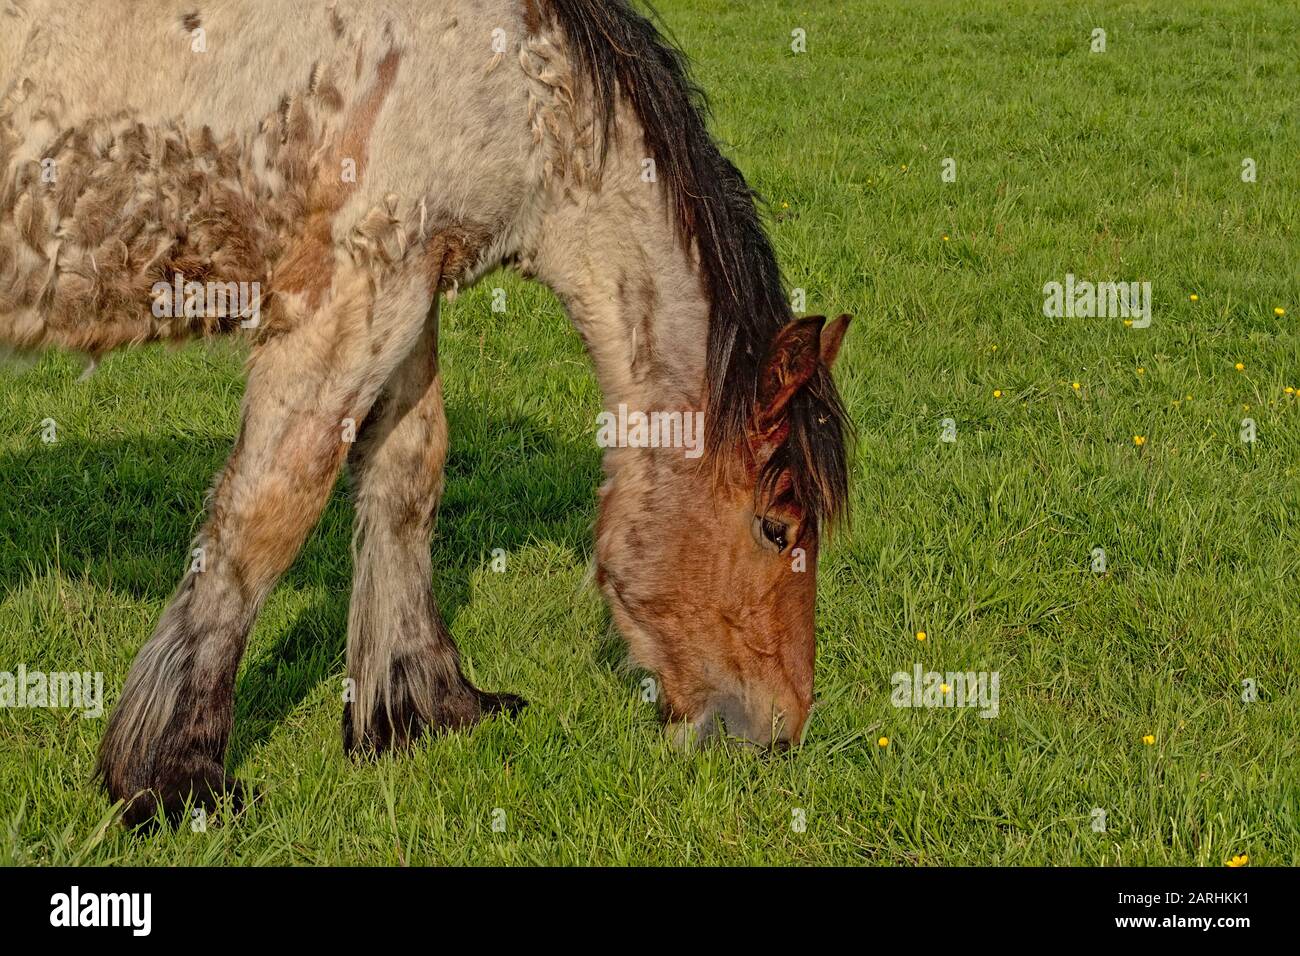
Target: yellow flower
[
  {"x": 995, "y": 348},
  {"x": 1139, "y": 440},
  {"x": 1189, "y": 398},
  {"x": 1149, "y": 739},
  {"x": 1240, "y": 367},
  {"x": 1076, "y": 386},
  {"x": 1240, "y": 860},
  {"x": 945, "y": 238},
  {"x": 1194, "y": 297},
  {"x": 1141, "y": 370},
  {"x": 1127, "y": 323},
  {"x": 882, "y": 742},
  {"x": 903, "y": 167},
  {"x": 785, "y": 205},
  {"x": 997, "y": 393},
  {"x": 944, "y": 688},
  {"x": 1279, "y": 311},
  {"x": 920, "y": 635},
  {"x": 1289, "y": 390}
]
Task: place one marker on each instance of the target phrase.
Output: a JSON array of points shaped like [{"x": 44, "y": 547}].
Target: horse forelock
[{"x": 621, "y": 51}]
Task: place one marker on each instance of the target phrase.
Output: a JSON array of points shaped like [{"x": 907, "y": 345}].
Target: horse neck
[{"x": 631, "y": 286}]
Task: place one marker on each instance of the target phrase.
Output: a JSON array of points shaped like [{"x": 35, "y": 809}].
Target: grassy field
[{"x": 1122, "y": 165}]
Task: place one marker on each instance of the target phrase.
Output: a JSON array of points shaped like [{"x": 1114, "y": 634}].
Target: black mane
[{"x": 621, "y": 51}]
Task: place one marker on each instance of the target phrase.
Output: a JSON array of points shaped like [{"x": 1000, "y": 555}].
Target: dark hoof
[
  {"x": 187, "y": 796},
  {"x": 400, "y": 727},
  {"x": 507, "y": 704}
]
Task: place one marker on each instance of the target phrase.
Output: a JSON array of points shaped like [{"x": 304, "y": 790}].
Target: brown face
[{"x": 713, "y": 585}]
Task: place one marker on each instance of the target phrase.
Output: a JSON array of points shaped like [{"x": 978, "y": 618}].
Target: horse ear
[
  {"x": 791, "y": 360},
  {"x": 833, "y": 338}
]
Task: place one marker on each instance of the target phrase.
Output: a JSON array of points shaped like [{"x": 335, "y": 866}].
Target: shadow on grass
[{"x": 120, "y": 514}]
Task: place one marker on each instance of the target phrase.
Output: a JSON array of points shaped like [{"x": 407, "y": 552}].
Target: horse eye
[{"x": 775, "y": 532}]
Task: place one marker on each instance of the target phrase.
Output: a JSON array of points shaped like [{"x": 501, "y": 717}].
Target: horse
[{"x": 356, "y": 162}]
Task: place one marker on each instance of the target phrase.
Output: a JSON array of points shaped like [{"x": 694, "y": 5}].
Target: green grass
[{"x": 1123, "y": 165}]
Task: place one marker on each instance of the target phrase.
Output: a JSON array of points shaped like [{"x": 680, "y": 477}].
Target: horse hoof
[
  {"x": 195, "y": 794},
  {"x": 501, "y": 703},
  {"x": 400, "y": 725}
]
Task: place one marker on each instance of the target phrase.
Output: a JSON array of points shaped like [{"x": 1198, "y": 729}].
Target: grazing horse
[{"x": 354, "y": 161}]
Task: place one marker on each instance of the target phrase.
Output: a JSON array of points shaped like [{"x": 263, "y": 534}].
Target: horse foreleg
[
  {"x": 403, "y": 667},
  {"x": 310, "y": 384}
]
